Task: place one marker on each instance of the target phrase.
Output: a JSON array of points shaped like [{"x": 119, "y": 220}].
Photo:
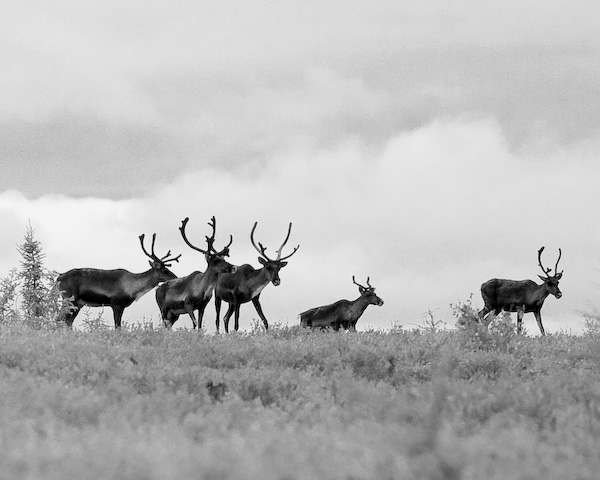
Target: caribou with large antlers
[
  {"x": 114, "y": 288},
  {"x": 343, "y": 313},
  {"x": 247, "y": 283},
  {"x": 187, "y": 294},
  {"x": 521, "y": 296}
]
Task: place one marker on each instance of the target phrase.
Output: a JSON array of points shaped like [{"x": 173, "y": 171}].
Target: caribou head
[
  {"x": 368, "y": 293},
  {"x": 214, "y": 258},
  {"x": 272, "y": 267},
  {"x": 551, "y": 281},
  {"x": 159, "y": 265}
]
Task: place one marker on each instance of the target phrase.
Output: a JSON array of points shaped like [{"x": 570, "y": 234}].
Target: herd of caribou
[{"x": 237, "y": 285}]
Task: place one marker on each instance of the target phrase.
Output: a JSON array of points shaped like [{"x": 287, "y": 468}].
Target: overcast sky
[{"x": 428, "y": 145}]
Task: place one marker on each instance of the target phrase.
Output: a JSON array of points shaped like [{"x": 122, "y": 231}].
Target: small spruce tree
[
  {"x": 40, "y": 301},
  {"x": 33, "y": 290},
  {"x": 9, "y": 285}
]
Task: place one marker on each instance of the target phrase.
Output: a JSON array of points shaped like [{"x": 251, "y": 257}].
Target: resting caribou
[
  {"x": 114, "y": 288},
  {"x": 343, "y": 313},
  {"x": 247, "y": 283},
  {"x": 521, "y": 296},
  {"x": 193, "y": 292}
]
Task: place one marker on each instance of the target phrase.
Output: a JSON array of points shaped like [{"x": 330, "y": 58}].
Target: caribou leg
[
  {"x": 258, "y": 307},
  {"x": 118, "y": 315},
  {"x": 218, "y": 312},
  {"x": 520, "y": 314},
  {"x": 237, "y": 316},
  {"x": 193, "y": 317},
  {"x": 228, "y": 316},
  {"x": 538, "y": 317},
  {"x": 201, "y": 309}
]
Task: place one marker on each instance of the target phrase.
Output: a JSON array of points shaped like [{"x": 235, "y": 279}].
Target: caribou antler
[
  {"x": 283, "y": 245},
  {"x": 184, "y": 223},
  {"x": 361, "y": 286},
  {"x": 209, "y": 240},
  {"x": 556, "y": 266},
  {"x": 261, "y": 248},
  {"x": 545, "y": 270},
  {"x": 548, "y": 270},
  {"x": 164, "y": 260}
]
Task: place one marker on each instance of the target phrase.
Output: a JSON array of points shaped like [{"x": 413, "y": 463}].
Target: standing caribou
[
  {"x": 521, "y": 296},
  {"x": 343, "y": 313},
  {"x": 186, "y": 294},
  {"x": 114, "y": 288},
  {"x": 247, "y": 283}
]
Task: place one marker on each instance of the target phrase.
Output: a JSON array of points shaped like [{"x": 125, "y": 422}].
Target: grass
[{"x": 293, "y": 404}]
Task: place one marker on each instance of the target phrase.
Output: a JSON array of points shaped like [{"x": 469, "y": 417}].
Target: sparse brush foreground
[{"x": 293, "y": 404}]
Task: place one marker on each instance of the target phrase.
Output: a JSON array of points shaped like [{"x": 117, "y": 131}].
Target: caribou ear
[
  {"x": 282, "y": 264},
  {"x": 559, "y": 276},
  {"x": 543, "y": 279},
  {"x": 262, "y": 261}
]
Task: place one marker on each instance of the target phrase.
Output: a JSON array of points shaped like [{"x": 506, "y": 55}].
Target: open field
[{"x": 402, "y": 404}]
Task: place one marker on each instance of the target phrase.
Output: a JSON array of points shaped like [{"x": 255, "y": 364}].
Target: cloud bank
[{"x": 114, "y": 100}]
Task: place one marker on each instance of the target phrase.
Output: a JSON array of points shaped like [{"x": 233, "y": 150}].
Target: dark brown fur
[
  {"x": 193, "y": 292},
  {"x": 341, "y": 314},
  {"x": 117, "y": 288},
  {"x": 521, "y": 296},
  {"x": 247, "y": 283}
]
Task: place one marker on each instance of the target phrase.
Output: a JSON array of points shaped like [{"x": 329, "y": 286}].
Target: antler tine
[
  {"x": 152, "y": 255},
  {"x": 167, "y": 261},
  {"x": 545, "y": 270},
  {"x": 288, "y": 256},
  {"x": 283, "y": 245},
  {"x": 284, "y": 242},
  {"x": 142, "y": 237},
  {"x": 225, "y": 250},
  {"x": 556, "y": 266},
  {"x": 211, "y": 240},
  {"x": 230, "y": 241},
  {"x": 356, "y": 283},
  {"x": 262, "y": 249},
  {"x": 152, "y": 246},
  {"x": 368, "y": 283},
  {"x": 182, "y": 230}
]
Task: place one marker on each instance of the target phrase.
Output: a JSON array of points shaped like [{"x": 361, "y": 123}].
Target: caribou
[
  {"x": 247, "y": 283},
  {"x": 193, "y": 292},
  {"x": 114, "y": 288},
  {"x": 343, "y": 313},
  {"x": 521, "y": 296}
]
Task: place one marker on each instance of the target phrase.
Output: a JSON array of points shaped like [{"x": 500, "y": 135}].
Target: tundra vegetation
[{"x": 293, "y": 403}]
